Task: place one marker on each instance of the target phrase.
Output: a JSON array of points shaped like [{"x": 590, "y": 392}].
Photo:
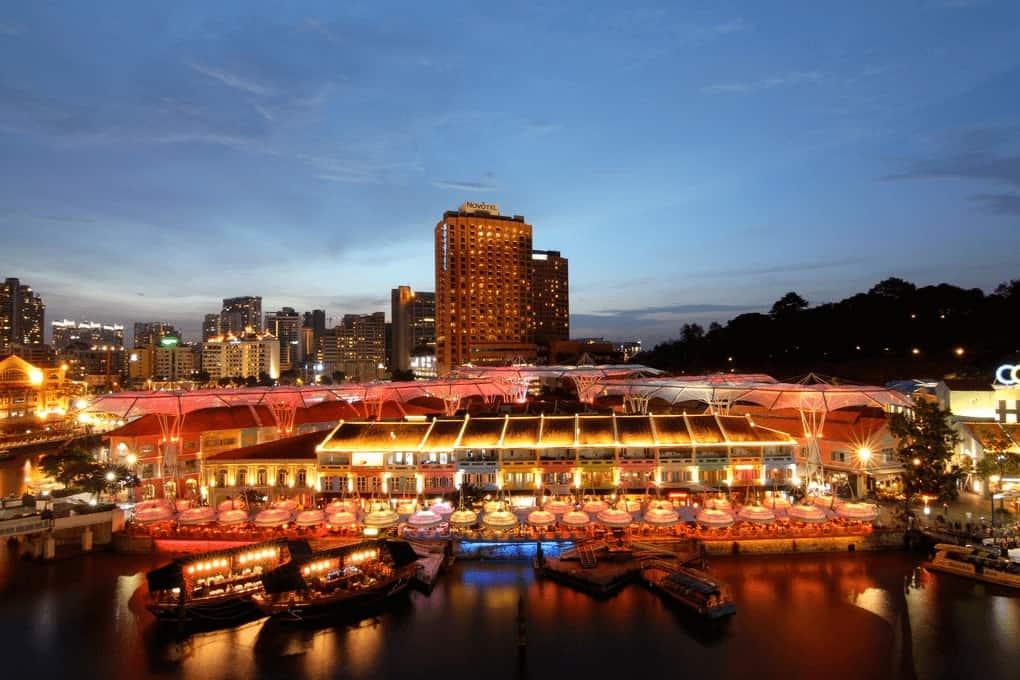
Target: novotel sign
[
  {"x": 472, "y": 206},
  {"x": 1008, "y": 374}
]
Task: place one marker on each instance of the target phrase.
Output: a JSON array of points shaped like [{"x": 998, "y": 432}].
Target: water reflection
[{"x": 865, "y": 615}]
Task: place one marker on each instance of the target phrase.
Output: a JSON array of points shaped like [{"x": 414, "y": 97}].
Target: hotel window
[
  {"x": 302, "y": 477},
  {"x": 888, "y": 456},
  {"x": 242, "y": 477},
  {"x": 221, "y": 478},
  {"x": 262, "y": 477},
  {"x": 839, "y": 456}
]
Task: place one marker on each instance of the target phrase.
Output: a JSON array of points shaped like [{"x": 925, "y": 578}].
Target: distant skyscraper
[
  {"x": 247, "y": 356},
  {"x": 550, "y": 296},
  {"x": 92, "y": 333},
  {"x": 210, "y": 326},
  {"x": 316, "y": 320},
  {"x": 151, "y": 332},
  {"x": 22, "y": 316},
  {"x": 241, "y": 315},
  {"x": 285, "y": 325},
  {"x": 413, "y": 315},
  {"x": 357, "y": 347},
  {"x": 483, "y": 287}
]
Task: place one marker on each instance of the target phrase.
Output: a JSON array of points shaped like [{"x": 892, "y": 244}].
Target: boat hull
[
  {"x": 221, "y": 611},
  {"x": 968, "y": 571},
  {"x": 324, "y": 608}
]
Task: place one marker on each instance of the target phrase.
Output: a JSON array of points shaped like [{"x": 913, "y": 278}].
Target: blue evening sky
[{"x": 693, "y": 160}]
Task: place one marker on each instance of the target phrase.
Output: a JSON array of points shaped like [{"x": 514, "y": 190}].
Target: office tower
[
  {"x": 285, "y": 325},
  {"x": 483, "y": 287},
  {"x": 22, "y": 316},
  {"x": 413, "y": 315},
  {"x": 550, "y": 296},
  {"x": 91, "y": 333},
  {"x": 210, "y": 326},
  {"x": 241, "y": 315},
  {"x": 316, "y": 320},
  {"x": 152, "y": 332}
]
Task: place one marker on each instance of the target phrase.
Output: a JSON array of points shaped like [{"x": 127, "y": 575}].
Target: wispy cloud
[
  {"x": 973, "y": 165},
  {"x": 769, "y": 83},
  {"x": 232, "y": 79},
  {"x": 321, "y": 27},
  {"x": 11, "y": 29},
  {"x": 462, "y": 185},
  {"x": 999, "y": 204}
]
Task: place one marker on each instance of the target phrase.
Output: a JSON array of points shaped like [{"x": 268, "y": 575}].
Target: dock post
[
  {"x": 86, "y": 539},
  {"x": 49, "y": 550}
]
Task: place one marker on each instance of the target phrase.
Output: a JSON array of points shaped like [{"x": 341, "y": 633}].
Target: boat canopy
[
  {"x": 171, "y": 575},
  {"x": 287, "y": 577}
]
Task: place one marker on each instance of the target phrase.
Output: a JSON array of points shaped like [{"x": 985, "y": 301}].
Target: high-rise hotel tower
[{"x": 483, "y": 287}]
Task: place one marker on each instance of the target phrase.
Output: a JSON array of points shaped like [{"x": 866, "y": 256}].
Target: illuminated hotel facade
[
  {"x": 551, "y": 296},
  {"x": 561, "y": 454},
  {"x": 484, "y": 310}
]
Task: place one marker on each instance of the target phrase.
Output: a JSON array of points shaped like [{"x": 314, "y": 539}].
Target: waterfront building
[
  {"x": 551, "y": 296},
  {"x": 629, "y": 349},
  {"x": 413, "y": 315},
  {"x": 148, "y": 333},
  {"x": 855, "y": 446},
  {"x": 286, "y": 325},
  {"x": 356, "y": 347},
  {"x": 210, "y": 326},
  {"x": 170, "y": 463},
  {"x": 22, "y": 316},
  {"x": 484, "y": 310},
  {"x": 983, "y": 411},
  {"x": 63, "y": 333},
  {"x": 30, "y": 393},
  {"x": 241, "y": 315},
  {"x": 284, "y": 467},
  {"x": 561, "y": 454}
]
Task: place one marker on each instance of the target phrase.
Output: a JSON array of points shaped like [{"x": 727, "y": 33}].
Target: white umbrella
[
  {"x": 575, "y": 518},
  {"x": 557, "y": 507},
  {"x": 718, "y": 504},
  {"x": 756, "y": 514},
  {"x": 310, "y": 518},
  {"x": 858, "y": 512},
  {"x": 776, "y": 502},
  {"x": 285, "y": 504},
  {"x": 272, "y": 517},
  {"x": 153, "y": 514},
  {"x": 342, "y": 518},
  {"x": 541, "y": 518},
  {"x": 615, "y": 518},
  {"x": 382, "y": 517},
  {"x": 338, "y": 505},
  {"x": 463, "y": 518},
  {"x": 500, "y": 519},
  {"x": 661, "y": 515},
  {"x": 594, "y": 507},
  {"x": 441, "y": 507},
  {"x": 202, "y": 515},
  {"x": 811, "y": 514},
  {"x": 424, "y": 518},
  {"x": 405, "y": 509},
  {"x": 491, "y": 506},
  {"x": 229, "y": 517},
  {"x": 712, "y": 517}
]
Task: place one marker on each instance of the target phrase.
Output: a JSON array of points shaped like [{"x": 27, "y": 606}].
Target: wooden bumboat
[
  {"x": 981, "y": 564},
  {"x": 694, "y": 590}
]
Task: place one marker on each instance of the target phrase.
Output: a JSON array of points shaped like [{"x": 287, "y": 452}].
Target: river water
[{"x": 863, "y": 615}]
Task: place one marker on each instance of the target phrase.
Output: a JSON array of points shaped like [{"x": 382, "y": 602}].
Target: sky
[{"x": 693, "y": 160}]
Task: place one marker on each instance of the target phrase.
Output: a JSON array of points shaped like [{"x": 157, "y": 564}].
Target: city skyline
[{"x": 685, "y": 143}]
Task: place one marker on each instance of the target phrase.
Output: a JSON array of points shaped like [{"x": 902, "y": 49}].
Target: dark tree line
[{"x": 894, "y": 330}]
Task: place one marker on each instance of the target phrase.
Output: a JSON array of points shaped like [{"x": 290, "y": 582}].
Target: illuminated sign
[
  {"x": 1008, "y": 374},
  {"x": 169, "y": 341},
  {"x": 472, "y": 206}
]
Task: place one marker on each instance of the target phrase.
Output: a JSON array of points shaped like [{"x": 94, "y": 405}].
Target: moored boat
[
  {"x": 214, "y": 587},
  {"x": 693, "y": 589},
  {"x": 334, "y": 582},
  {"x": 977, "y": 563}
]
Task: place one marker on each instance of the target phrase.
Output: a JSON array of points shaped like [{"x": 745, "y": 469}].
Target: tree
[
  {"x": 77, "y": 469},
  {"x": 399, "y": 375},
  {"x": 925, "y": 447},
  {"x": 251, "y": 381},
  {"x": 339, "y": 376},
  {"x": 265, "y": 380},
  {"x": 692, "y": 333},
  {"x": 789, "y": 304},
  {"x": 225, "y": 382},
  {"x": 997, "y": 462},
  {"x": 893, "y": 287},
  {"x": 202, "y": 377}
]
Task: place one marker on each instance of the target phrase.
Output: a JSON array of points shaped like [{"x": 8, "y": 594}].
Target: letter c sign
[{"x": 1008, "y": 374}]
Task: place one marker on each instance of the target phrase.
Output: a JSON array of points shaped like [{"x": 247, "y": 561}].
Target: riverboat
[
  {"x": 216, "y": 587},
  {"x": 694, "y": 590},
  {"x": 338, "y": 581},
  {"x": 974, "y": 562}
]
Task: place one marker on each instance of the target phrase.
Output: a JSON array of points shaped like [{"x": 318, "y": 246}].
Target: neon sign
[{"x": 1008, "y": 374}]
